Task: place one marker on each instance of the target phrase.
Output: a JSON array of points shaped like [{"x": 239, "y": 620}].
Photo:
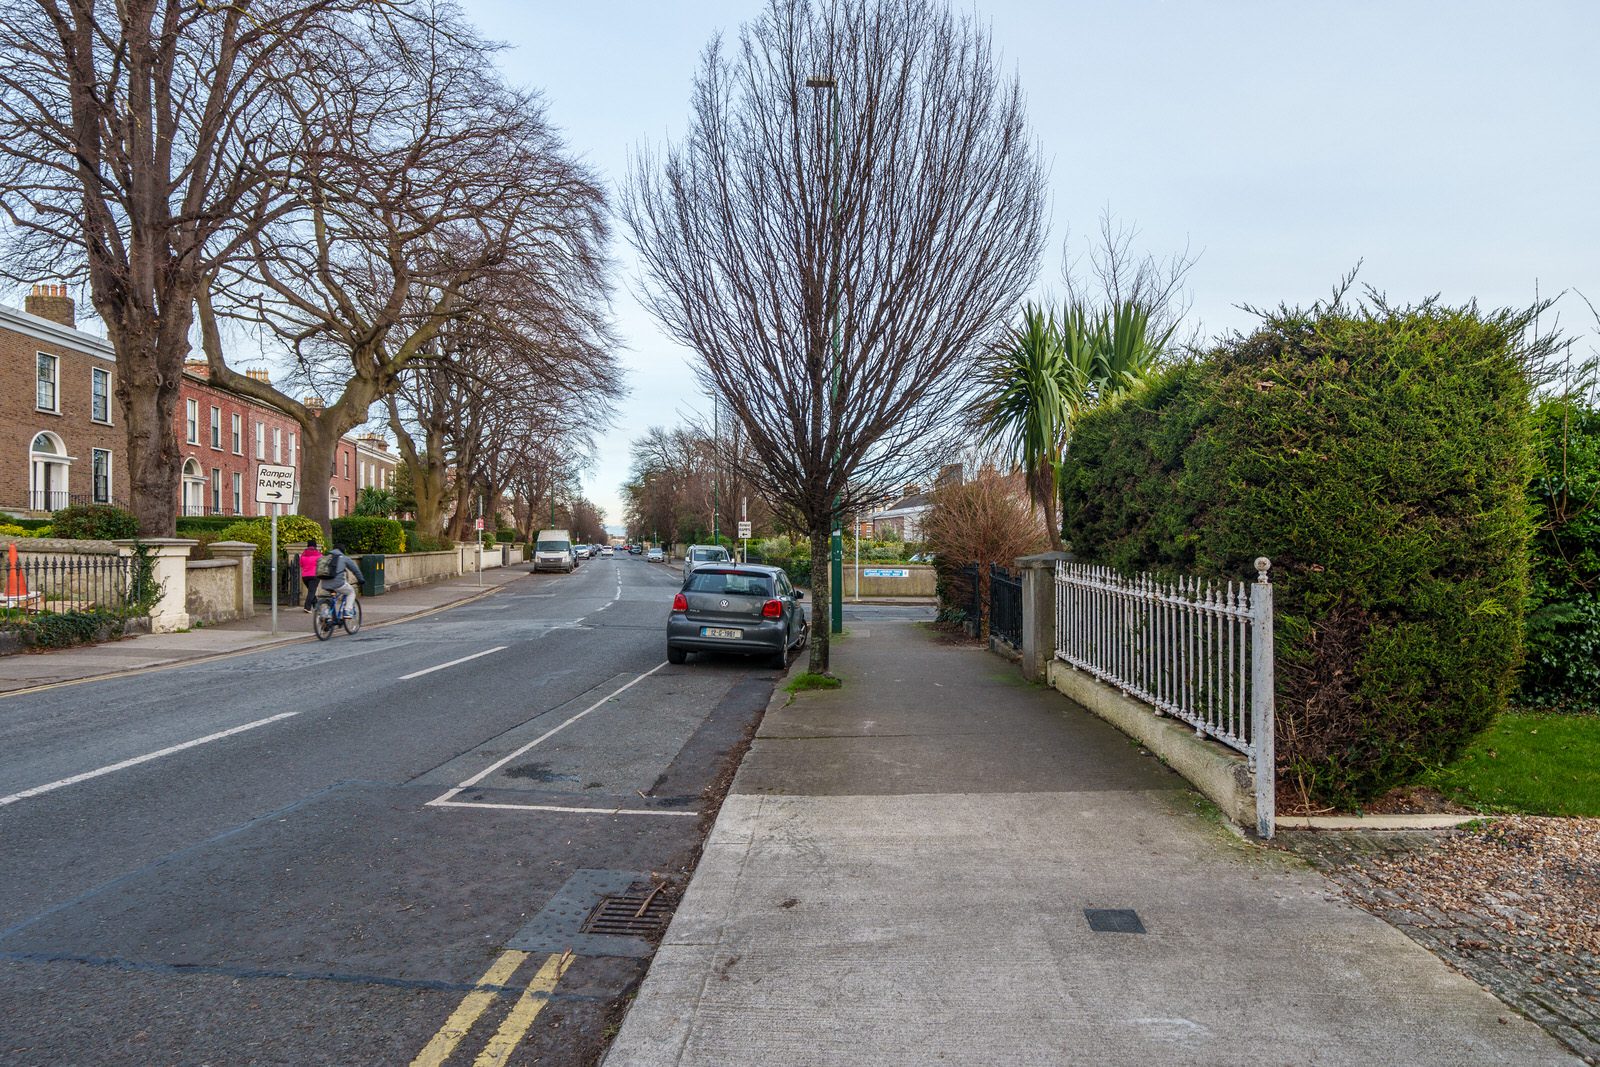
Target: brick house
[
  {"x": 59, "y": 436},
  {"x": 66, "y": 449}
]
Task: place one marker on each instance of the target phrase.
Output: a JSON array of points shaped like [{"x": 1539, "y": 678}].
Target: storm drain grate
[
  {"x": 640, "y": 912},
  {"x": 1113, "y": 920}
]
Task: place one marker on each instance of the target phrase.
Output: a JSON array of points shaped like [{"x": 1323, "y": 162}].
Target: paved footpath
[
  {"x": 144, "y": 651},
  {"x": 911, "y": 870}
]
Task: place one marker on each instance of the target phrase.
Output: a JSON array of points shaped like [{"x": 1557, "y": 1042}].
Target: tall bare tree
[
  {"x": 423, "y": 196},
  {"x": 836, "y": 252},
  {"x": 139, "y": 146}
]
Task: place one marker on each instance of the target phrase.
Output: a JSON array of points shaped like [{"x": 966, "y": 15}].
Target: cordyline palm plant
[{"x": 1045, "y": 373}]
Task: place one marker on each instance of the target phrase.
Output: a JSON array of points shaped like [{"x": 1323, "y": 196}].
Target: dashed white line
[
  {"x": 452, "y": 663},
  {"x": 146, "y": 758}
]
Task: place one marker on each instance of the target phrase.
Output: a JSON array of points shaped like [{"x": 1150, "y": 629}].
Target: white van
[{"x": 552, "y": 551}]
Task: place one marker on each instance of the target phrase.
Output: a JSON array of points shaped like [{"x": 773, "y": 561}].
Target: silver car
[
  {"x": 744, "y": 608},
  {"x": 697, "y": 556}
]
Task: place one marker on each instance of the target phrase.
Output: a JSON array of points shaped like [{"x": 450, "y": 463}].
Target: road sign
[
  {"x": 477, "y": 524},
  {"x": 744, "y": 529},
  {"x": 274, "y": 485}
]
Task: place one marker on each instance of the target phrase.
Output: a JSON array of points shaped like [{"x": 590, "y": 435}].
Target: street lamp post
[{"x": 836, "y": 555}]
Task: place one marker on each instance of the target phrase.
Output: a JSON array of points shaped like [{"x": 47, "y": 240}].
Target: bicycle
[{"x": 328, "y": 615}]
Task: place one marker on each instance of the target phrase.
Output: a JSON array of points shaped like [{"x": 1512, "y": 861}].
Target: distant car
[
  {"x": 697, "y": 556},
  {"x": 655, "y": 555},
  {"x": 745, "y": 608},
  {"x": 552, "y": 551},
  {"x": 607, "y": 552},
  {"x": 635, "y": 550}
]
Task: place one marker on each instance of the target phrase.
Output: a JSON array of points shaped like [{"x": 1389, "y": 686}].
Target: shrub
[
  {"x": 9, "y": 530},
  {"x": 199, "y": 525},
  {"x": 488, "y": 538},
  {"x": 94, "y": 522},
  {"x": 293, "y": 532},
  {"x": 416, "y": 542},
  {"x": 45, "y": 530},
  {"x": 1380, "y": 458},
  {"x": 375, "y": 501},
  {"x": 368, "y": 533},
  {"x": 506, "y": 534},
  {"x": 1562, "y": 669},
  {"x": 69, "y": 628}
]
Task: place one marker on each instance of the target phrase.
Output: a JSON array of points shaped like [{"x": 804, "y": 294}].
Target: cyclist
[{"x": 332, "y": 570}]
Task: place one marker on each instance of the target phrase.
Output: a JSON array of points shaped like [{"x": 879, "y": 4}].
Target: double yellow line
[{"x": 473, "y": 1005}]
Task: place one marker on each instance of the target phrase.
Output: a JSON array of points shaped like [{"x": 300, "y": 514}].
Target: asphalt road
[{"x": 375, "y": 850}]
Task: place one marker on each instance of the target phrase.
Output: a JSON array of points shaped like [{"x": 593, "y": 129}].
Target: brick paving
[{"x": 1490, "y": 929}]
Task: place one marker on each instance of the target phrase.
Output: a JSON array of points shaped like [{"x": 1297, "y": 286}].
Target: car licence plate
[{"x": 712, "y": 631}]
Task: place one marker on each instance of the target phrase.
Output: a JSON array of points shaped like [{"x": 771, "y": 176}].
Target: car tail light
[
  {"x": 680, "y": 603},
  {"x": 772, "y": 609}
]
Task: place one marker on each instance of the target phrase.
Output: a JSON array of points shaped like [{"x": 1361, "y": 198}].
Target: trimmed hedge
[
  {"x": 293, "y": 532},
  {"x": 360, "y": 534},
  {"x": 195, "y": 525},
  {"x": 94, "y": 522},
  {"x": 1380, "y": 458},
  {"x": 1563, "y": 627}
]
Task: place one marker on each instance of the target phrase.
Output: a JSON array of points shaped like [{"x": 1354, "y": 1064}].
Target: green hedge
[
  {"x": 195, "y": 525},
  {"x": 360, "y": 534},
  {"x": 1380, "y": 458},
  {"x": 1563, "y": 630},
  {"x": 293, "y": 532},
  {"x": 94, "y": 522}
]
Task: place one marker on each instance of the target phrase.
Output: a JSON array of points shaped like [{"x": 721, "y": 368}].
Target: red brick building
[{"x": 59, "y": 419}]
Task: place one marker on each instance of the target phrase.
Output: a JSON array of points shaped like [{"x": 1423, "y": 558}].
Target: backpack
[{"x": 325, "y": 565}]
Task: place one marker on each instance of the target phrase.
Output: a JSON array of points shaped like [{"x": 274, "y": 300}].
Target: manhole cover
[
  {"x": 1113, "y": 920},
  {"x": 640, "y": 912}
]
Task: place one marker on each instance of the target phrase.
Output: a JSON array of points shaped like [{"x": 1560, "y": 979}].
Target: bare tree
[
  {"x": 986, "y": 520},
  {"x": 424, "y": 195},
  {"x": 836, "y": 254},
  {"x": 139, "y": 147}
]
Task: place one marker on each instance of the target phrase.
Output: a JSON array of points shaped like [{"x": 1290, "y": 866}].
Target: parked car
[
  {"x": 552, "y": 551},
  {"x": 746, "y": 608},
  {"x": 697, "y": 556},
  {"x": 607, "y": 552},
  {"x": 635, "y": 550},
  {"x": 655, "y": 555}
]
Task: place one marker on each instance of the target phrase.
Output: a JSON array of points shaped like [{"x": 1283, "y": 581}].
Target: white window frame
[
  {"x": 191, "y": 423},
  {"x": 277, "y": 444},
  {"x": 291, "y": 448},
  {"x": 216, "y": 490},
  {"x": 54, "y": 380},
  {"x": 238, "y": 493},
  {"x": 261, "y": 441},
  {"x": 94, "y": 460},
  {"x": 216, "y": 427},
  {"x": 236, "y": 433},
  {"x": 96, "y": 376}
]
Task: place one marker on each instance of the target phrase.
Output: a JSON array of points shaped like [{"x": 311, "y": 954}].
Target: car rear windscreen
[{"x": 730, "y": 582}]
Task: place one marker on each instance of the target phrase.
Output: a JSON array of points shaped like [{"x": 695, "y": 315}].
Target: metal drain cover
[
  {"x": 640, "y": 912},
  {"x": 1113, "y": 920}
]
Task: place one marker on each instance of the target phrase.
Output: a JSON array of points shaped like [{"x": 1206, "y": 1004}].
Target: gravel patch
[{"x": 1513, "y": 904}]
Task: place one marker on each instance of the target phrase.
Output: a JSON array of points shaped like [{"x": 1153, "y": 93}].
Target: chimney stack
[
  {"x": 314, "y": 403},
  {"x": 52, "y": 302},
  {"x": 260, "y": 374},
  {"x": 197, "y": 367}
]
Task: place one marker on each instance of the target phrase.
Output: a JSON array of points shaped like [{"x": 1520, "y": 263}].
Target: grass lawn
[{"x": 1531, "y": 763}]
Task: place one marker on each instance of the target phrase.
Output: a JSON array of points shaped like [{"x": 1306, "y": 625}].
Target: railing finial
[{"x": 1263, "y": 565}]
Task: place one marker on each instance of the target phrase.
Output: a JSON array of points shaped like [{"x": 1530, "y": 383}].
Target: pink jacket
[{"x": 308, "y": 562}]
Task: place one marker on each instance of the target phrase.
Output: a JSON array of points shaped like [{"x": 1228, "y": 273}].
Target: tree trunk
[
  {"x": 821, "y": 596},
  {"x": 1052, "y": 516},
  {"x": 319, "y": 446},
  {"x": 153, "y": 456}
]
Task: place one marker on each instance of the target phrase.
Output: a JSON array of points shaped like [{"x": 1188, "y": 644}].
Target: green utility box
[{"x": 372, "y": 574}]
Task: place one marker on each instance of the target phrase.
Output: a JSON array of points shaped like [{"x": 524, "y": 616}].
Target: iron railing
[
  {"x": 55, "y": 500},
  {"x": 55, "y": 584},
  {"x": 1005, "y": 606},
  {"x": 1194, "y": 649}
]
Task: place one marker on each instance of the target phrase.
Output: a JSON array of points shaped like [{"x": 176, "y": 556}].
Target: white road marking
[
  {"x": 555, "y": 807},
  {"x": 146, "y": 758},
  {"x": 452, "y": 663},
  {"x": 541, "y": 739}
]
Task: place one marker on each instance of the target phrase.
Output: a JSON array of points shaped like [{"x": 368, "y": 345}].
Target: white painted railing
[{"x": 1194, "y": 649}]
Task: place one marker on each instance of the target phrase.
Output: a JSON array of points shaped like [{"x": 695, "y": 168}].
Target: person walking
[{"x": 308, "y": 573}]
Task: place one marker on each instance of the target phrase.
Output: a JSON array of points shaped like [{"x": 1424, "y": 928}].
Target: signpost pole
[
  {"x": 480, "y": 540},
  {"x": 275, "y": 485},
  {"x": 857, "y": 521},
  {"x": 274, "y": 550}
]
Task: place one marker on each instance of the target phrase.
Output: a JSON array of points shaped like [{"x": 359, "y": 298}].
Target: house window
[
  {"x": 238, "y": 494},
  {"x": 291, "y": 448},
  {"x": 238, "y": 435},
  {"x": 261, "y": 440},
  {"x": 101, "y": 469},
  {"x": 100, "y": 395},
  {"x": 361, "y": 473},
  {"x": 216, "y": 427},
  {"x": 347, "y": 464},
  {"x": 47, "y": 398},
  {"x": 277, "y": 444},
  {"x": 191, "y": 423},
  {"x": 333, "y": 502},
  {"x": 216, "y": 491}
]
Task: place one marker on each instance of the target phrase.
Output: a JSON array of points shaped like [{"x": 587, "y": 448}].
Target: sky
[{"x": 1448, "y": 147}]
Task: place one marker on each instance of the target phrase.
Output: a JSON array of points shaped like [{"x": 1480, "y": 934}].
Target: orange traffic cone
[{"x": 16, "y": 581}]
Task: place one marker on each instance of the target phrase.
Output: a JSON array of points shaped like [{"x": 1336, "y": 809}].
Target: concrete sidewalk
[
  {"x": 904, "y": 871},
  {"x": 141, "y": 652}
]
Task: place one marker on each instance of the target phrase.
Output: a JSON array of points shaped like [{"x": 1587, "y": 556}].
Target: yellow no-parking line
[{"x": 498, "y": 1051}]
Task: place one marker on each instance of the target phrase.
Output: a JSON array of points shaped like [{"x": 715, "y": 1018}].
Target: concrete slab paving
[{"x": 847, "y": 911}]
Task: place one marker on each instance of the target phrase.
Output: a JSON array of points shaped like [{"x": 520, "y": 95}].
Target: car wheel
[
  {"x": 779, "y": 661},
  {"x": 676, "y": 655}
]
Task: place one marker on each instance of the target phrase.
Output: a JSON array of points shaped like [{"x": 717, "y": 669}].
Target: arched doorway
[
  {"x": 194, "y": 488},
  {"x": 48, "y": 466}
]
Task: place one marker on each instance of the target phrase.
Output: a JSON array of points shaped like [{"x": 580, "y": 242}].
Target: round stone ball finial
[{"x": 1263, "y": 564}]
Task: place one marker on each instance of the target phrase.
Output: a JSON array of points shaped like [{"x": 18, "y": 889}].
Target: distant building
[
  {"x": 904, "y": 513},
  {"x": 61, "y": 441}
]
